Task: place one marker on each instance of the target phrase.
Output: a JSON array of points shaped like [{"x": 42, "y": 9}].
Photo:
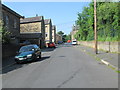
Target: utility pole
[{"x": 95, "y": 27}]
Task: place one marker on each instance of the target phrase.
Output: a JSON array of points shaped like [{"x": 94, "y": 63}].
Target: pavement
[{"x": 108, "y": 58}]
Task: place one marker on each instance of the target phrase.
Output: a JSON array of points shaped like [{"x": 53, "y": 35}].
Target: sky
[{"x": 62, "y": 14}]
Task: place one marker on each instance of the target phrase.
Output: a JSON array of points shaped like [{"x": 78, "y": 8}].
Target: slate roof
[
  {"x": 30, "y": 35},
  {"x": 47, "y": 21},
  {"x": 31, "y": 19},
  {"x": 11, "y": 11}
]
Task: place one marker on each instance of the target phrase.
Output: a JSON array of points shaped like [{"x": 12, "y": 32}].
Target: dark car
[
  {"x": 28, "y": 53},
  {"x": 25, "y": 43},
  {"x": 51, "y": 45}
]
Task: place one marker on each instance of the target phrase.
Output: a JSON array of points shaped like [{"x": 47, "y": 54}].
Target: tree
[
  {"x": 65, "y": 37},
  {"x": 61, "y": 33},
  {"x": 4, "y": 34},
  {"x": 107, "y": 22}
]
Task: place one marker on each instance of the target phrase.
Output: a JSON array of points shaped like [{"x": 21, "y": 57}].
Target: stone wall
[
  {"x": 107, "y": 46},
  {"x": 30, "y": 27},
  {"x": 9, "y": 50}
]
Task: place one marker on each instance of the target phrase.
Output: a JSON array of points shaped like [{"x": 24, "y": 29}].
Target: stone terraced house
[
  {"x": 48, "y": 30},
  {"x": 54, "y": 33},
  {"x": 33, "y": 30},
  {"x": 11, "y": 21}
]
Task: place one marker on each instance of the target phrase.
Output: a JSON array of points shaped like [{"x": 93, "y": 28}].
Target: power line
[{"x": 65, "y": 23}]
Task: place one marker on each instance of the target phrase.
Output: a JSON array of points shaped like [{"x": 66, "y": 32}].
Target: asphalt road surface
[{"x": 64, "y": 67}]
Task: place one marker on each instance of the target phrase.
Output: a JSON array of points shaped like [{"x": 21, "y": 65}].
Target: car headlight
[
  {"x": 16, "y": 57},
  {"x": 30, "y": 55}
]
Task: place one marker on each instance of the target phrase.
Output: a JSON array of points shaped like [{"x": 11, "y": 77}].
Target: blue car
[{"x": 28, "y": 53}]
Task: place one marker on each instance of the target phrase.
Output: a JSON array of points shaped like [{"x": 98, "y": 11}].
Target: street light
[{"x": 95, "y": 28}]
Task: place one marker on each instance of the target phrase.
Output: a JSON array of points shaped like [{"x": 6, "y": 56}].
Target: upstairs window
[
  {"x": 7, "y": 20},
  {"x": 15, "y": 23},
  {"x": 46, "y": 34}
]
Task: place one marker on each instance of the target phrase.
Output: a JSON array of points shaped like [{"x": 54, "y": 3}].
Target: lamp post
[{"x": 95, "y": 28}]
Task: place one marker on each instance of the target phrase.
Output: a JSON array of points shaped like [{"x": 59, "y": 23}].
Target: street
[{"x": 66, "y": 66}]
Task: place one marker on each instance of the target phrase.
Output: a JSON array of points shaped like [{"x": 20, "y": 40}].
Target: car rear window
[
  {"x": 26, "y": 48},
  {"x": 74, "y": 41}
]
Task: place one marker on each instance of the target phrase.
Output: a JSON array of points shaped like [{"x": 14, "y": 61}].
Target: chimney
[{"x": 36, "y": 15}]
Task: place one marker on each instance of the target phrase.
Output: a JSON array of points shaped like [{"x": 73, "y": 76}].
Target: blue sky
[{"x": 63, "y": 14}]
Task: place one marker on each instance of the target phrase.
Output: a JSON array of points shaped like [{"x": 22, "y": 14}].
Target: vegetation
[
  {"x": 108, "y": 22},
  {"x": 4, "y": 34},
  {"x": 65, "y": 37}
]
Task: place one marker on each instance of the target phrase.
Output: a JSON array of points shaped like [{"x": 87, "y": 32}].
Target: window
[
  {"x": 46, "y": 34},
  {"x": 15, "y": 23},
  {"x": 7, "y": 20}
]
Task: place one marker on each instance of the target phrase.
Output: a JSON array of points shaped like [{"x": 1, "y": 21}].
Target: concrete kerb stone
[
  {"x": 105, "y": 62},
  {"x": 108, "y": 64}
]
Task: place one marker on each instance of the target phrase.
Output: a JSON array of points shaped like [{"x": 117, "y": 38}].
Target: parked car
[
  {"x": 25, "y": 43},
  {"x": 51, "y": 45},
  {"x": 28, "y": 53},
  {"x": 74, "y": 42}
]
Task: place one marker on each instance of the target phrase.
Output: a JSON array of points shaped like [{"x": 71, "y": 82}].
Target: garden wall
[{"x": 107, "y": 46}]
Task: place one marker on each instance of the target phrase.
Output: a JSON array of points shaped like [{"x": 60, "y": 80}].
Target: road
[{"x": 64, "y": 67}]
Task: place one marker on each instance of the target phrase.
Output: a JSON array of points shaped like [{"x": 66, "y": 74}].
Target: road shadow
[
  {"x": 65, "y": 45},
  {"x": 48, "y": 49},
  {"x": 11, "y": 68},
  {"x": 16, "y": 66}
]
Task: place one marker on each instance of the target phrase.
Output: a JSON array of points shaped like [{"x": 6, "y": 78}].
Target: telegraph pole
[{"x": 95, "y": 28}]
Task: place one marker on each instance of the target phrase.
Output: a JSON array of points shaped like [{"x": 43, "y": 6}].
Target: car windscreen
[
  {"x": 74, "y": 41},
  {"x": 26, "y": 48}
]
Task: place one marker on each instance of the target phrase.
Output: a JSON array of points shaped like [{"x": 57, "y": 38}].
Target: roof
[
  {"x": 47, "y": 21},
  {"x": 30, "y": 35},
  {"x": 31, "y": 19},
  {"x": 11, "y": 11},
  {"x": 58, "y": 35}
]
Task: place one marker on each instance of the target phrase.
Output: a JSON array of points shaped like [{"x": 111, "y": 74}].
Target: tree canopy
[
  {"x": 108, "y": 20},
  {"x": 65, "y": 37}
]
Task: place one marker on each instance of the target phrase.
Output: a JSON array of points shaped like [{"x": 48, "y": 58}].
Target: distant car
[
  {"x": 74, "y": 42},
  {"x": 69, "y": 41},
  {"x": 28, "y": 53},
  {"x": 51, "y": 45},
  {"x": 60, "y": 42}
]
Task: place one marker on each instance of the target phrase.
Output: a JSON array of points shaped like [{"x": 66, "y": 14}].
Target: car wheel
[{"x": 40, "y": 56}]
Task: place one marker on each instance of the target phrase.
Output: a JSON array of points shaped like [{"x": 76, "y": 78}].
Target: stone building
[
  {"x": 58, "y": 38},
  {"x": 74, "y": 31},
  {"x": 54, "y": 33},
  {"x": 48, "y": 30},
  {"x": 11, "y": 21},
  {"x": 33, "y": 29}
]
